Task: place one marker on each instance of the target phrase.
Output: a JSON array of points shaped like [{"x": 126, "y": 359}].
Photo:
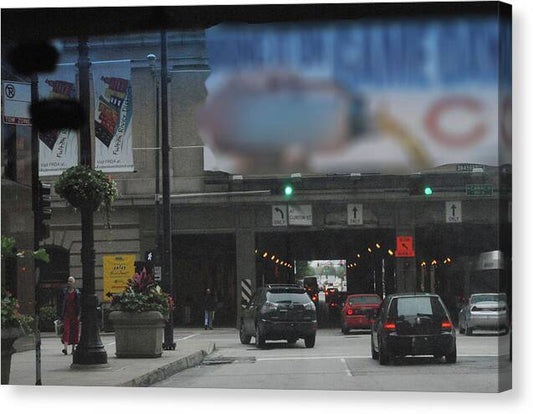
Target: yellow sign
[{"x": 117, "y": 271}]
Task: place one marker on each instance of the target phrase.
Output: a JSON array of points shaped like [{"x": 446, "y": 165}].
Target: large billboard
[{"x": 358, "y": 96}]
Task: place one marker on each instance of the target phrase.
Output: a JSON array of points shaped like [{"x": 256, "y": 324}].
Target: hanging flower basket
[{"x": 83, "y": 187}]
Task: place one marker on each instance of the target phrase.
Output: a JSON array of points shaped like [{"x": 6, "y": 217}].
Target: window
[
  {"x": 58, "y": 269},
  {"x": 364, "y": 300}
]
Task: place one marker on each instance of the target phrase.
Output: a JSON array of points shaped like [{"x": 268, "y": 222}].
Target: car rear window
[
  {"x": 280, "y": 297},
  {"x": 364, "y": 300},
  {"x": 414, "y": 306},
  {"x": 489, "y": 298}
]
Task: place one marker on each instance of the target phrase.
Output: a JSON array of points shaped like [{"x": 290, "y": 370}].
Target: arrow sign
[
  {"x": 279, "y": 215},
  {"x": 355, "y": 214},
  {"x": 404, "y": 246},
  {"x": 453, "y": 212}
]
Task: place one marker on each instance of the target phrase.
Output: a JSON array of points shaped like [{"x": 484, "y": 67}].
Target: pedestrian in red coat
[{"x": 70, "y": 315}]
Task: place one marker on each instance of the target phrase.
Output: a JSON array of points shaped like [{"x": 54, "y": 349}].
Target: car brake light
[
  {"x": 446, "y": 325},
  {"x": 314, "y": 298},
  {"x": 349, "y": 312},
  {"x": 389, "y": 325}
]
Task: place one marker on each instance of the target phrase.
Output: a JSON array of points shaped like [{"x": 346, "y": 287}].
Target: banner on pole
[
  {"x": 113, "y": 114},
  {"x": 58, "y": 148},
  {"x": 117, "y": 270}
]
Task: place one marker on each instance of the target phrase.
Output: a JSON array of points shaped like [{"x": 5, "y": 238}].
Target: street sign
[
  {"x": 301, "y": 215},
  {"x": 157, "y": 273},
  {"x": 17, "y": 99},
  {"x": 355, "y": 214},
  {"x": 404, "y": 246},
  {"x": 479, "y": 189},
  {"x": 453, "y": 212},
  {"x": 279, "y": 215},
  {"x": 118, "y": 269}
]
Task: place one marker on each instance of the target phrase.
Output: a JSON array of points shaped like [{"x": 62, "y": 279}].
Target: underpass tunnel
[
  {"x": 369, "y": 265},
  {"x": 202, "y": 261},
  {"x": 448, "y": 262}
]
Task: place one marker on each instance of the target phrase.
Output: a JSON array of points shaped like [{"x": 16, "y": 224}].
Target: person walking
[
  {"x": 70, "y": 315},
  {"x": 210, "y": 305}
]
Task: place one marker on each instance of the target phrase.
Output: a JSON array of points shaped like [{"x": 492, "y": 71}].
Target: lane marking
[
  {"x": 347, "y": 369},
  {"x": 187, "y": 337},
  {"x": 344, "y": 357}
]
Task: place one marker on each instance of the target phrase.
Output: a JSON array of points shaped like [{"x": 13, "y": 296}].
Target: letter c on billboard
[{"x": 465, "y": 104}]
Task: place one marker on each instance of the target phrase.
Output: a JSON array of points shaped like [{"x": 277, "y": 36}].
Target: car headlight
[
  {"x": 309, "y": 306},
  {"x": 269, "y": 306}
]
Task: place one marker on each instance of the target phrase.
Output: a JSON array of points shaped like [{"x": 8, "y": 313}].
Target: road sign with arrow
[
  {"x": 454, "y": 212},
  {"x": 355, "y": 214},
  {"x": 279, "y": 215},
  {"x": 404, "y": 246}
]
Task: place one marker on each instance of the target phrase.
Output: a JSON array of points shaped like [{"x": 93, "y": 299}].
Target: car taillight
[
  {"x": 349, "y": 312},
  {"x": 314, "y": 298},
  {"x": 446, "y": 325},
  {"x": 389, "y": 326}
]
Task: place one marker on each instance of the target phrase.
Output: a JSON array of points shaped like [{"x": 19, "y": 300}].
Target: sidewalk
[{"x": 191, "y": 348}]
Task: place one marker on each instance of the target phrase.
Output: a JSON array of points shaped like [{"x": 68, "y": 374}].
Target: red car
[{"x": 359, "y": 312}]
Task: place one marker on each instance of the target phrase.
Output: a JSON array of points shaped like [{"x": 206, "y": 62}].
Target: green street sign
[{"x": 479, "y": 189}]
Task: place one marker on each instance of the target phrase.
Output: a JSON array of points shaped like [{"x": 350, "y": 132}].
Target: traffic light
[
  {"x": 287, "y": 190},
  {"x": 44, "y": 210},
  {"x": 419, "y": 186}
]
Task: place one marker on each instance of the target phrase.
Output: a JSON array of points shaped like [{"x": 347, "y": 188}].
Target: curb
[{"x": 170, "y": 369}]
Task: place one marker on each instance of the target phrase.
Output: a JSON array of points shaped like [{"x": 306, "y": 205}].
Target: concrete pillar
[
  {"x": 405, "y": 266},
  {"x": 245, "y": 255}
]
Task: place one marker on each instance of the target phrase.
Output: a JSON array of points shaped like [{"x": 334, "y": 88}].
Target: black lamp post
[{"x": 90, "y": 350}]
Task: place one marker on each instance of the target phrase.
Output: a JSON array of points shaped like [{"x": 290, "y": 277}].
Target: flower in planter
[
  {"x": 141, "y": 295},
  {"x": 11, "y": 316},
  {"x": 82, "y": 187}
]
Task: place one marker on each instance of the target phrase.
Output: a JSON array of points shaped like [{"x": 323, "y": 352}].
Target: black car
[
  {"x": 413, "y": 324},
  {"x": 279, "y": 312}
]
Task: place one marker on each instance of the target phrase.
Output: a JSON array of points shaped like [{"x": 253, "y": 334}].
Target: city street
[{"x": 339, "y": 362}]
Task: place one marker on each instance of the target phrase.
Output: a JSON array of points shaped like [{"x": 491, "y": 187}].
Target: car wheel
[
  {"x": 259, "y": 337},
  {"x": 310, "y": 341},
  {"x": 375, "y": 355},
  {"x": 245, "y": 339},
  {"x": 383, "y": 356},
  {"x": 451, "y": 358},
  {"x": 344, "y": 330},
  {"x": 468, "y": 330}
]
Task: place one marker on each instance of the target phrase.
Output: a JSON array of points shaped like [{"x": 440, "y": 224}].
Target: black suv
[
  {"x": 279, "y": 312},
  {"x": 413, "y": 324}
]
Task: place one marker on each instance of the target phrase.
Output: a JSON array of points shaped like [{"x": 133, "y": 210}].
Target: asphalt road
[{"x": 343, "y": 362}]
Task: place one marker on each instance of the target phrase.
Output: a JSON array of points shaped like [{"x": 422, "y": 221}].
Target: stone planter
[
  {"x": 9, "y": 336},
  {"x": 138, "y": 334}
]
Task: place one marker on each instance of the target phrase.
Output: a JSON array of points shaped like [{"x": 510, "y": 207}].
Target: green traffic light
[
  {"x": 428, "y": 191},
  {"x": 287, "y": 190}
]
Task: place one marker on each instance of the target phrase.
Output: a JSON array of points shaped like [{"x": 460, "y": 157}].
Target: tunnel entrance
[
  {"x": 367, "y": 255},
  {"x": 202, "y": 261}
]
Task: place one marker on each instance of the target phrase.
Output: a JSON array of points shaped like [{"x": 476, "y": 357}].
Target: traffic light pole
[
  {"x": 36, "y": 230},
  {"x": 90, "y": 350},
  {"x": 168, "y": 343}
]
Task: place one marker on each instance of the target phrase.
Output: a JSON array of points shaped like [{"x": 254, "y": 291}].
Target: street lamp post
[{"x": 90, "y": 350}]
